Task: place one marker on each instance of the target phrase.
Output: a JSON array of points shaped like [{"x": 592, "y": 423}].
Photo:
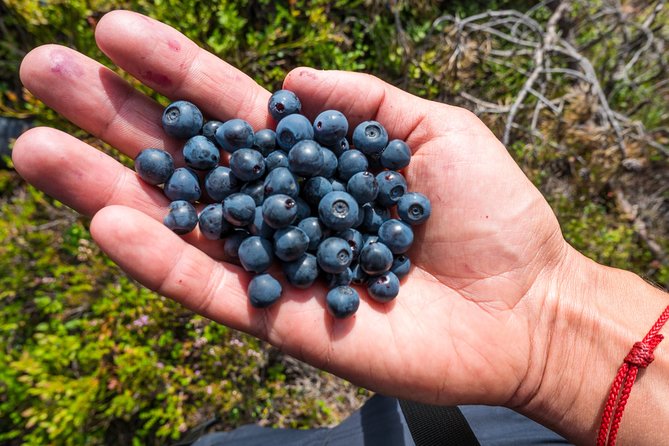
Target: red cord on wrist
[{"x": 640, "y": 356}]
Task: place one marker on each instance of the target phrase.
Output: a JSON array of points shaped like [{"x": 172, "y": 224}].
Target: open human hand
[{"x": 472, "y": 320}]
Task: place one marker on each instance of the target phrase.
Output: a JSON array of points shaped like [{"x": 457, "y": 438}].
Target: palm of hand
[{"x": 461, "y": 329}]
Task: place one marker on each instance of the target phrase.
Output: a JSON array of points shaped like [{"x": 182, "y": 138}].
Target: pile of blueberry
[{"x": 300, "y": 194}]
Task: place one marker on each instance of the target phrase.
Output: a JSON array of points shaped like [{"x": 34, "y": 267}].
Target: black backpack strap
[{"x": 437, "y": 425}]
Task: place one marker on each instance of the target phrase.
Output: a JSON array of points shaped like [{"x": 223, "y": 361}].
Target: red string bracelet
[{"x": 640, "y": 356}]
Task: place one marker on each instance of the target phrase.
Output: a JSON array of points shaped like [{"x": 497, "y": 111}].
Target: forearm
[{"x": 600, "y": 313}]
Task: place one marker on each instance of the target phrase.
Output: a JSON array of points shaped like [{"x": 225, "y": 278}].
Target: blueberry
[
  {"x": 392, "y": 186},
  {"x": 368, "y": 239},
  {"x": 314, "y": 230},
  {"x": 358, "y": 276},
  {"x": 283, "y": 103},
  {"x": 279, "y": 210},
  {"x": 281, "y": 181},
  {"x": 306, "y": 158},
  {"x": 396, "y": 155},
  {"x": 338, "y": 211},
  {"x": 354, "y": 239},
  {"x": 247, "y": 164},
  {"x": 330, "y": 163},
  {"x": 315, "y": 189},
  {"x": 263, "y": 290},
  {"x": 301, "y": 273},
  {"x": 259, "y": 227},
  {"x": 363, "y": 187},
  {"x": 183, "y": 184},
  {"x": 330, "y": 127},
  {"x": 182, "y": 119},
  {"x": 343, "y": 278},
  {"x": 370, "y": 137},
  {"x": 200, "y": 153},
  {"x": 239, "y": 209},
  {"x": 334, "y": 255},
  {"x": 276, "y": 159},
  {"x": 401, "y": 266},
  {"x": 351, "y": 162},
  {"x": 337, "y": 186},
  {"x": 264, "y": 141},
  {"x": 256, "y": 190},
  {"x": 154, "y": 165},
  {"x": 234, "y": 135},
  {"x": 373, "y": 217},
  {"x": 212, "y": 224},
  {"x": 383, "y": 288},
  {"x": 303, "y": 210},
  {"x": 209, "y": 130},
  {"x": 221, "y": 182},
  {"x": 290, "y": 243},
  {"x": 231, "y": 245},
  {"x": 293, "y": 129},
  {"x": 255, "y": 254},
  {"x": 375, "y": 258},
  {"x": 342, "y": 301},
  {"x": 181, "y": 217},
  {"x": 414, "y": 208},
  {"x": 340, "y": 147},
  {"x": 396, "y": 235}
]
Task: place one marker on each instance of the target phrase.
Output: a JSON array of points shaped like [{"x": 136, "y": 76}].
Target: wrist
[{"x": 599, "y": 313}]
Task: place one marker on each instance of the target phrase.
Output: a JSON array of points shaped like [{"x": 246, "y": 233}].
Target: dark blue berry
[
  {"x": 314, "y": 231},
  {"x": 370, "y": 137},
  {"x": 259, "y": 227},
  {"x": 337, "y": 186},
  {"x": 373, "y": 217},
  {"x": 279, "y": 210},
  {"x": 414, "y": 208},
  {"x": 293, "y": 129},
  {"x": 306, "y": 158},
  {"x": 255, "y": 254},
  {"x": 350, "y": 163},
  {"x": 375, "y": 258},
  {"x": 264, "y": 141},
  {"x": 220, "y": 182},
  {"x": 396, "y": 155},
  {"x": 212, "y": 224},
  {"x": 383, "y": 288},
  {"x": 263, "y": 290},
  {"x": 340, "y": 147},
  {"x": 181, "y": 217},
  {"x": 330, "y": 127},
  {"x": 290, "y": 243},
  {"x": 154, "y": 165},
  {"x": 209, "y": 130},
  {"x": 401, "y": 266},
  {"x": 343, "y": 278},
  {"x": 281, "y": 181},
  {"x": 363, "y": 187},
  {"x": 234, "y": 135},
  {"x": 354, "y": 239},
  {"x": 303, "y": 210},
  {"x": 256, "y": 190},
  {"x": 338, "y": 211},
  {"x": 200, "y": 153},
  {"x": 231, "y": 245},
  {"x": 276, "y": 159},
  {"x": 368, "y": 239},
  {"x": 392, "y": 186},
  {"x": 183, "y": 184},
  {"x": 314, "y": 189},
  {"x": 330, "y": 163},
  {"x": 334, "y": 255},
  {"x": 182, "y": 119},
  {"x": 283, "y": 103},
  {"x": 342, "y": 301},
  {"x": 396, "y": 235},
  {"x": 247, "y": 164},
  {"x": 358, "y": 276},
  {"x": 239, "y": 209},
  {"x": 301, "y": 273}
]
